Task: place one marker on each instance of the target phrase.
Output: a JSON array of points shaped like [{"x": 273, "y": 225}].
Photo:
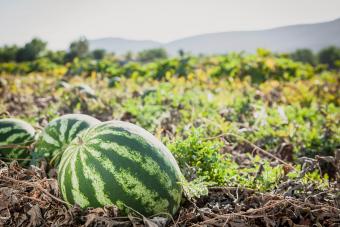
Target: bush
[
  {"x": 98, "y": 54},
  {"x": 78, "y": 49},
  {"x": 330, "y": 56},
  {"x": 304, "y": 55},
  {"x": 31, "y": 51},
  {"x": 8, "y": 53},
  {"x": 152, "y": 54}
]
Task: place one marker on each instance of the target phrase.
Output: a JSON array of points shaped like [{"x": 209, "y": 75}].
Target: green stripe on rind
[
  {"x": 58, "y": 134},
  {"x": 137, "y": 171},
  {"x": 15, "y": 132},
  {"x": 131, "y": 174},
  {"x": 86, "y": 188},
  {"x": 143, "y": 165}
]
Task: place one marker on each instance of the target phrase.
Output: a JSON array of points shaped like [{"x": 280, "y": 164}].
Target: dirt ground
[{"x": 30, "y": 197}]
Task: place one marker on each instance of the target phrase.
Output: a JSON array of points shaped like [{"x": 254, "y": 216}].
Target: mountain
[
  {"x": 121, "y": 46},
  {"x": 282, "y": 39}
]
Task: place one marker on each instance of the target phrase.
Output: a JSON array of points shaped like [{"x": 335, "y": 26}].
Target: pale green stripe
[
  {"x": 73, "y": 130},
  {"x": 6, "y": 129},
  {"x": 76, "y": 192},
  {"x": 132, "y": 185},
  {"x": 50, "y": 140},
  {"x": 96, "y": 180},
  {"x": 145, "y": 162},
  {"x": 62, "y": 129},
  {"x": 72, "y": 150},
  {"x": 151, "y": 166},
  {"x": 15, "y": 136}
]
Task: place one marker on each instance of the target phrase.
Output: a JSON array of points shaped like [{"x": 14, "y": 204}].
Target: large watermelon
[
  {"x": 15, "y": 134},
  {"x": 58, "y": 134},
  {"x": 120, "y": 163}
]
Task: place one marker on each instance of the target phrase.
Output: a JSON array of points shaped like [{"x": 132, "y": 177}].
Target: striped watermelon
[
  {"x": 15, "y": 132},
  {"x": 58, "y": 134},
  {"x": 120, "y": 163}
]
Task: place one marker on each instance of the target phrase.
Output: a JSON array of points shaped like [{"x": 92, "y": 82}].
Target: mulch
[{"x": 31, "y": 197}]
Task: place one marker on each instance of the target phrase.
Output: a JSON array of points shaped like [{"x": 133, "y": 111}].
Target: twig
[
  {"x": 231, "y": 188},
  {"x": 37, "y": 186},
  {"x": 134, "y": 211},
  {"x": 5, "y": 113},
  {"x": 20, "y": 159},
  {"x": 164, "y": 213},
  {"x": 14, "y": 146},
  {"x": 254, "y": 146}
]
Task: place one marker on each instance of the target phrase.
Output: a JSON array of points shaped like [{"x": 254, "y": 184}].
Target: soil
[{"x": 31, "y": 197}]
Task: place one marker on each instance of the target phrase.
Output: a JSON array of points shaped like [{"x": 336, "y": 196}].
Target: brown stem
[
  {"x": 14, "y": 146},
  {"x": 37, "y": 186},
  {"x": 255, "y": 147},
  {"x": 20, "y": 159}
]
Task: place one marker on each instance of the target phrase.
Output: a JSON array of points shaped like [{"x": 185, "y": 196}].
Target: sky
[{"x": 61, "y": 21}]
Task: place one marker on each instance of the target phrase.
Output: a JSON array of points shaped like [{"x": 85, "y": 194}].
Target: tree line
[{"x": 80, "y": 49}]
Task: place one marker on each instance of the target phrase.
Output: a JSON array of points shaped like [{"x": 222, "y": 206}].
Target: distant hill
[
  {"x": 121, "y": 46},
  {"x": 282, "y": 39}
]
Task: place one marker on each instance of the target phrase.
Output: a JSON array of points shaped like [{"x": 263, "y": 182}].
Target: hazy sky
[{"x": 61, "y": 21}]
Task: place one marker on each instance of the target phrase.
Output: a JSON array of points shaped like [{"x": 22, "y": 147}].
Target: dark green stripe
[
  {"x": 113, "y": 189},
  {"x": 129, "y": 141},
  {"x": 68, "y": 181},
  {"x": 85, "y": 185},
  {"x": 150, "y": 181},
  {"x": 5, "y": 136},
  {"x": 67, "y": 133},
  {"x": 54, "y": 133}
]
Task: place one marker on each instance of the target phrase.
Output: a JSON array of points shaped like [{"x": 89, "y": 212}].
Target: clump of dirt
[
  {"x": 31, "y": 197},
  {"x": 243, "y": 207}
]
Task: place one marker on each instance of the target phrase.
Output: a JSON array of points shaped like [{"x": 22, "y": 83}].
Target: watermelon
[
  {"x": 58, "y": 134},
  {"x": 15, "y": 132},
  {"x": 120, "y": 163}
]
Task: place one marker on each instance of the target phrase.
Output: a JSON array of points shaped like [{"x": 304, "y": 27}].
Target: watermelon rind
[
  {"x": 16, "y": 133},
  {"x": 119, "y": 163},
  {"x": 56, "y": 136}
]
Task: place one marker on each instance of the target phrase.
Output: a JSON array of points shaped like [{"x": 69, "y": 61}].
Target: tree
[
  {"x": 152, "y": 54},
  {"x": 31, "y": 51},
  {"x": 98, "y": 54},
  {"x": 78, "y": 49},
  {"x": 305, "y": 56},
  {"x": 56, "y": 56},
  {"x": 8, "y": 53},
  {"x": 330, "y": 56}
]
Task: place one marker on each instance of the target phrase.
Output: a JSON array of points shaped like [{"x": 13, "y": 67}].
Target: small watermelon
[
  {"x": 120, "y": 163},
  {"x": 15, "y": 137},
  {"x": 58, "y": 134}
]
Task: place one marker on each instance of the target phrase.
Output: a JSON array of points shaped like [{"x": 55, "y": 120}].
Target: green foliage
[
  {"x": 98, "y": 54},
  {"x": 330, "y": 56},
  {"x": 31, "y": 51},
  {"x": 57, "y": 57},
  {"x": 152, "y": 54},
  {"x": 305, "y": 56},
  {"x": 78, "y": 49},
  {"x": 8, "y": 53},
  {"x": 205, "y": 157},
  {"x": 194, "y": 104},
  {"x": 195, "y": 188}
]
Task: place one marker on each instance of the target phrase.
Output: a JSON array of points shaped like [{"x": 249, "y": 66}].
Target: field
[{"x": 256, "y": 136}]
